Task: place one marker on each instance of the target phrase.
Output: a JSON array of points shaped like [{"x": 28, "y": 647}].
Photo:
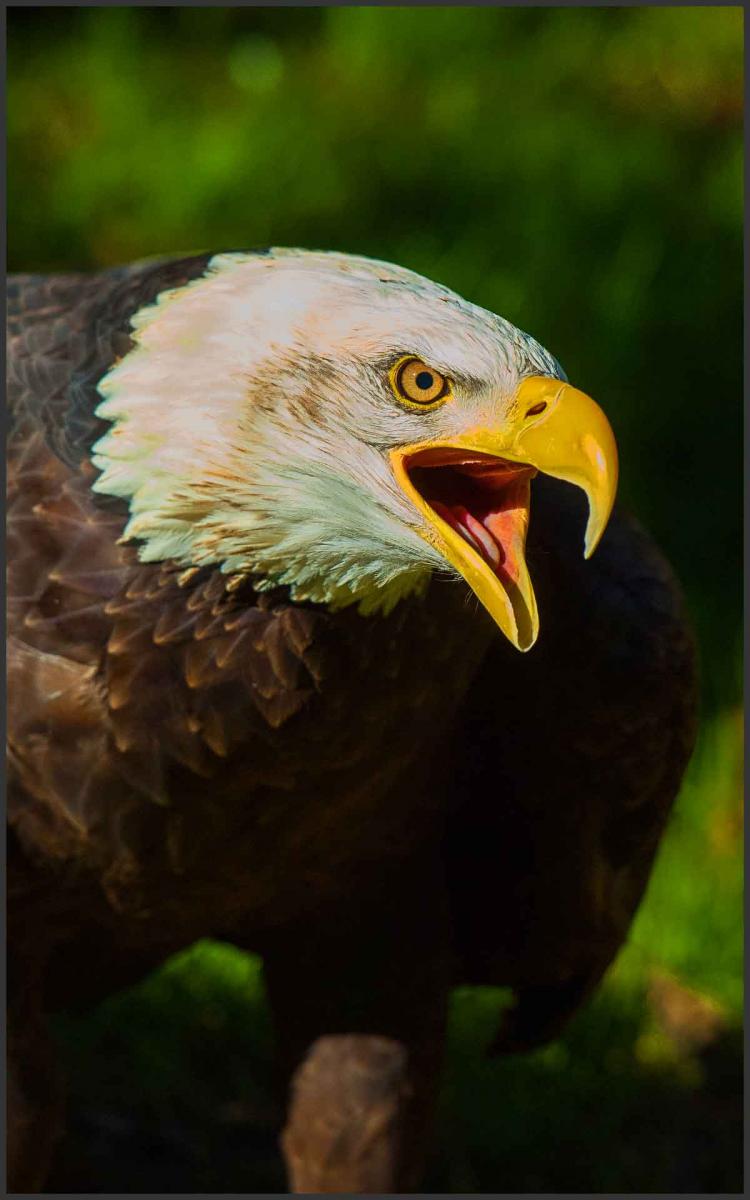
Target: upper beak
[{"x": 477, "y": 508}]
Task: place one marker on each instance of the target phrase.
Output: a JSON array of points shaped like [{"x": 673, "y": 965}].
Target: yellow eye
[{"x": 417, "y": 384}]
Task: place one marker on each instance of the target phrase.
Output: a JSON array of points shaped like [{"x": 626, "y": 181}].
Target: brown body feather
[{"x": 380, "y": 806}]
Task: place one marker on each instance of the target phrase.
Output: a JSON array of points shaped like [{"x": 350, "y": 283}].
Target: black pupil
[{"x": 424, "y": 381}]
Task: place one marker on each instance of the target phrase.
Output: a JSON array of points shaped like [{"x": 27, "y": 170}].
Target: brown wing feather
[{"x": 167, "y": 666}]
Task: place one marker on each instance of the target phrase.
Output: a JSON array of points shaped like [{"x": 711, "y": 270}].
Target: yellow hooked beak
[{"x": 473, "y": 491}]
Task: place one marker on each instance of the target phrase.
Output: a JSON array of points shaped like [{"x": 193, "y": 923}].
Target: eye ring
[{"x": 418, "y": 385}]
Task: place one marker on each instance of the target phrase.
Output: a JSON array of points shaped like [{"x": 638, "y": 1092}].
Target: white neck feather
[{"x": 219, "y": 447}]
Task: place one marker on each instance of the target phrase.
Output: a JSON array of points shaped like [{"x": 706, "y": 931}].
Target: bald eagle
[{"x": 273, "y": 523}]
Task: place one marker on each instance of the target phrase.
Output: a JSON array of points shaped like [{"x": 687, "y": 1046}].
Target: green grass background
[{"x": 580, "y": 172}]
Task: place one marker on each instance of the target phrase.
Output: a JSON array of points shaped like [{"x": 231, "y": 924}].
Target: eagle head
[{"x": 344, "y": 427}]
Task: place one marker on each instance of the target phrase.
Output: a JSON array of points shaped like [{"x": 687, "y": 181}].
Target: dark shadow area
[{"x": 172, "y": 1090}]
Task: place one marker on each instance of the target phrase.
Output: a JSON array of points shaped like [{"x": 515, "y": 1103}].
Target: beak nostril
[{"x": 536, "y": 409}]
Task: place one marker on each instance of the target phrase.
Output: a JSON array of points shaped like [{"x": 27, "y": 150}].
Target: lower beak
[{"x": 473, "y": 492}]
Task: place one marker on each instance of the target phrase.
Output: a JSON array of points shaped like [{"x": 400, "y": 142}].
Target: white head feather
[{"x": 253, "y": 418}]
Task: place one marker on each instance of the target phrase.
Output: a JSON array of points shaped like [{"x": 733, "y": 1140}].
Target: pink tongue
[
  {"x": 509, "y": 526},
  {"x": 500, "y": 536},
  {"x": 472, "y": 531}
]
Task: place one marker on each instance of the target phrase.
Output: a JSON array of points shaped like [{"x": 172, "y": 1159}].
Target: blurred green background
[{"x": 580, "y": 172}]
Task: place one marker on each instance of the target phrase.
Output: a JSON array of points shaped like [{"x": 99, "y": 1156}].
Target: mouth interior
[{"x": 486, "y": 501}]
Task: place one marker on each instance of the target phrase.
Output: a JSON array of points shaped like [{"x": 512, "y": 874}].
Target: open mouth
[
  {"x": 472, "y": 492},
  {"x": 485, "y": 501}
]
